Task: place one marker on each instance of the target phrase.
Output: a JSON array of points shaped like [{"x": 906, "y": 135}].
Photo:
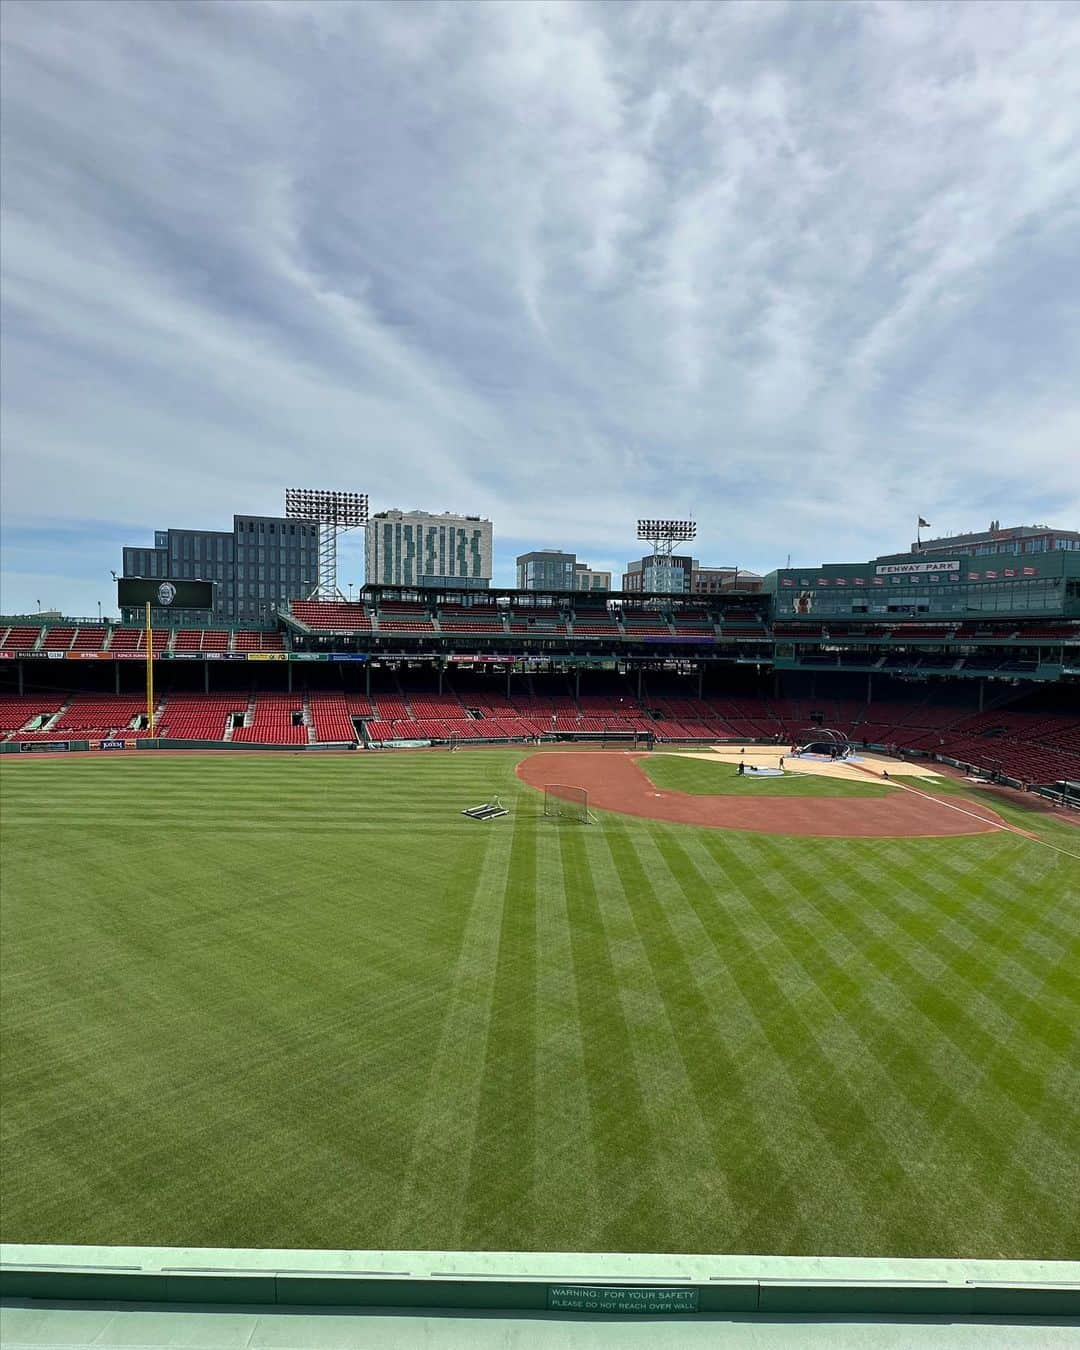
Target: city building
[
  {"x": 263, "y": 562},
  {"x": 714, "y": 580},
  {"x": 1019, "y": 539},
  {"x": 587, "y": 578},
  {"x": 546, "y": 569},
  {"x": 419, "y": 548},
  {"x": 682, "y": 575},
  {"x": 550, "y": 569},
  {"x": 664, "y": 574}
]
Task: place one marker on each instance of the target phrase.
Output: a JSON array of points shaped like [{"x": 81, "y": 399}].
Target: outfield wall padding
[{"x": 619, "y": 1283}]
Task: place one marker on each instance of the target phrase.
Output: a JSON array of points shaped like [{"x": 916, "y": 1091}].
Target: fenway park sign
[{"x": 899, "y": 569}]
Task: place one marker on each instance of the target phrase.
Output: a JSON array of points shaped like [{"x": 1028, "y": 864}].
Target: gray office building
[
  {"x": 550, "y": 569},
  {"x": 262, "y": 563}
]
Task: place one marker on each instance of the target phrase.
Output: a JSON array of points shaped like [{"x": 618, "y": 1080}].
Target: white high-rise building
[{"x": 419, "y": 548}]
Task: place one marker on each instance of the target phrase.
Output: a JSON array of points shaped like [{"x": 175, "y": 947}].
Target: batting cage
[{"x": 823, "y": 741}]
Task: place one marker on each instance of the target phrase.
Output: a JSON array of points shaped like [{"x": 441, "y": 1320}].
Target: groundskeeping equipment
[
  {"x": 566, "y": 803},
  {"x": 488, "y": 811}
]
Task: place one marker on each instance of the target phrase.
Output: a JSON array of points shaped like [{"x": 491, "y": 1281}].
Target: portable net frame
[
  {"x": 824, "y": 741},
  {"x": 563, "y": 802}
]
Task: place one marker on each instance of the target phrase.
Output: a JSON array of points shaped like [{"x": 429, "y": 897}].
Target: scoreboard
[{"x": 165, "y": 594}]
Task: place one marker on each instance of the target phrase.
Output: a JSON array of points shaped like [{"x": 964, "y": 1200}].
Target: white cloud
[{"x": 805, "y": 270}]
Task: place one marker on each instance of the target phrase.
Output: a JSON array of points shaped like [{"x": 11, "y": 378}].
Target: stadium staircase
[
  {"x": 249, "y": 717},
  {"x": 57, "y": 716}
]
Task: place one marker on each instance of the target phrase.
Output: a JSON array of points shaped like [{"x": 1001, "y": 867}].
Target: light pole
[
  {"x": 350, "y": 591},
  {"x": 99, "y": 611}
]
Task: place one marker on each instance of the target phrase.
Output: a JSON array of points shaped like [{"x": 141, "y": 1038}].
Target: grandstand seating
[
  {"x": 275, "y": 720},
  {"x": 1035, "y": 740},
  {"x": 198, "y": 717},
  {"x": 88, "y": 713},
  {"x": 87, "y": 717},
  {"x": 16, "y": 710},
  {"x": 331, "y": 717}
]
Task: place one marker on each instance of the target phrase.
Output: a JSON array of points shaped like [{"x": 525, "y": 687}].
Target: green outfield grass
[
  {"x": 709, "y": 778},
  {"x": 297, "y": 1001}
]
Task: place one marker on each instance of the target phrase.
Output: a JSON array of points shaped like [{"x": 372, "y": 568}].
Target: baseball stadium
[{"x": 398, "y": 945}]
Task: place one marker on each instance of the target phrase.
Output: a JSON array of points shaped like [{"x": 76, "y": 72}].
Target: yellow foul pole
[{"x": 149, "y": 671}]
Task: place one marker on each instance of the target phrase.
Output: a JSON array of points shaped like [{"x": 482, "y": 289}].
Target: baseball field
[{"x": 301, "y": 1001}]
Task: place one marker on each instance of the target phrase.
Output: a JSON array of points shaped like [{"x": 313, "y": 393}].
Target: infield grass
[
  {"x": 303, "y": 1002},
  {"x": 710, "y": 778}
]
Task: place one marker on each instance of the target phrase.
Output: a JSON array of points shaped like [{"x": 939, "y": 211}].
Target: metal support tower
[
  {"x": 334, "y": 513},
  {"x": 663, "y": 535}
]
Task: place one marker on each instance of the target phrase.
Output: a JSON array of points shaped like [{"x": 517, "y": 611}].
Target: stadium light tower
[
  {"x": 334, "y": 513},
  {"x": 663, "y": 535}
]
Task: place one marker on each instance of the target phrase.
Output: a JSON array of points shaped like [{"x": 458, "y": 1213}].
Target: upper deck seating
[
  {"x": 256, "y": 640},
  {"x": 89, "y": 639},
  {"x": 20, "y": 638},
  {"x": 58, "y": 639},
  {"x": 341, "y": 616}
]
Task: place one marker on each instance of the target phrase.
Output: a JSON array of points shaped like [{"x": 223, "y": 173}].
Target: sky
[{"x": 800, "y": 271}]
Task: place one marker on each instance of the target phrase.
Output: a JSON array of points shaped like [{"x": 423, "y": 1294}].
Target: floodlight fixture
[
  {"x": 334, "y": 513},
  {"x": 660, "y": 531},
  {"x": 346, "y": 510}
]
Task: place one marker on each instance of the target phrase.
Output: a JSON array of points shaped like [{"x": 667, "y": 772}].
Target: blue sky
[{"x": 801, "y": 270}]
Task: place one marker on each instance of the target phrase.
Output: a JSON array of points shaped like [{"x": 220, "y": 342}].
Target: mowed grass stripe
[
  {"x": 498, "y": 1200},
  {"x": 566, "y": 1184},
  {"x": 943, "y": 990},
  {"x": 981, "y": 1114},
  {"x": 699, "y": 995},
  {"x": 431, "y": 1197},
  {"x": 668, "y": 1054},
  {"x": 630, "y": 1198},
  {"x": 838, "y": 1002},
  {"x": 864, "y": 1037},
  {"x": 803, "y": 1082}
]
